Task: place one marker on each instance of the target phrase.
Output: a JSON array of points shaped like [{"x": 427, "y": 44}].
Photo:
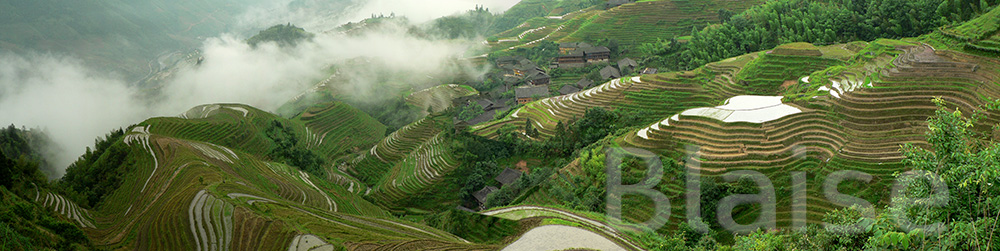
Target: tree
[{"x": 725, "y": 15}]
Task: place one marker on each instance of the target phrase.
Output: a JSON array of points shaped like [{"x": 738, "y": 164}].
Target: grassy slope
[
  {"x": 630, "y": 24},
  {"x": 439, "y": 98},
  {"x": 215, "y": 157},
  {"x": 981, "y": 34}
]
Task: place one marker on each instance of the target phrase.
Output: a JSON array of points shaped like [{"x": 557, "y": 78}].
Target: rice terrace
[{"x": 500, "y": 125}]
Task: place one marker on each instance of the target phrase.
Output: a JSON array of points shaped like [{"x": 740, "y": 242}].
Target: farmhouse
[
  {"x": 537, "y": 77},
  {"x": 482, "y": 193},
  {"x": 627, "y": 65},
  {"x": 567, "y": 48},
  {"x": 597, "y": 54},
  {"x": 583, "y": 84},
  {"x": 580, "y": 54},
  {"x": 649, "y": 71},
  {"x": 528, "y": 94},
  {"x": 609, "y": 72},
  {"x": 508, "y": 176},
  {"x": 569, "y": 89},
  {"x": 572, "y": 60}
]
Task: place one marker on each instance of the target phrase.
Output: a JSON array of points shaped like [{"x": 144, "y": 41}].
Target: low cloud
[
  {"x": 72, "y": 103},
  {"x": 76, "y": 104}
]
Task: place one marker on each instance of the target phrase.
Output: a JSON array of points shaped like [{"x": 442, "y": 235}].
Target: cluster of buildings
[{"x": 530, "y": 82}]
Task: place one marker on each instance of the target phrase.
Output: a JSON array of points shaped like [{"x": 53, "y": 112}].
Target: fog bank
[{"x": 76, "y": 104}]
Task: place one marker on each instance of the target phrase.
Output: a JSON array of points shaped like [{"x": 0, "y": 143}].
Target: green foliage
[
  {"x": 282, "y": 34},
  {"x": 472, "y": 24},
  {"x": 287, "y": 149},
  {"x": 27, "y": 226},
  {"x": 584, "y": 192},
  {"x": 762, "y": 241},
  {"x": 469, "y": 111},
  {"x": 98, "y": 172},
  {"x": 478, "y": 176},
  {"x": 541, "y": 54},
  {"x": 528, "y": 9},
  {"x": 596, "y": 124},
  {"x": 508, "y": 193},
  {"x": 392, "y": 112},
  {"x": 786, "y": 21}
]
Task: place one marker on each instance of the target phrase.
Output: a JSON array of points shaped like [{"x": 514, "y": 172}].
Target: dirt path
[{"x": 558, "y": 237}]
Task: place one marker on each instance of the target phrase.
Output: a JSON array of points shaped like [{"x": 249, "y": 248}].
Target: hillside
[
  {"x": 804, "y": 140},
  {"x": 629, "y": 25},
  {"x": 847, "y": 107},
  {"x": 186, "y": 188}
]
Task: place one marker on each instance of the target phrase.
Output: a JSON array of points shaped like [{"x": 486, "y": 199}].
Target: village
[{"x": 515, "y": 80}]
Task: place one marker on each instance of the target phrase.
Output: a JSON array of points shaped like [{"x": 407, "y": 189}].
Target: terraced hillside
[
  {"x": 850, "y": 107},
  {"x": 644, "y": 22},
  {"x": 372, "y": 165},
  {"x": 629, "y": 24},
  {"x": 187, "y": 194},
  {"x": 438, "y": 98},
  {"x": 330, "y": 129},
  {"x": 979, "y": 34},
  {"x": 407, "y": 161}
]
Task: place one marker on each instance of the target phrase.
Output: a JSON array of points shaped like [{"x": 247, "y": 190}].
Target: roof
[
  {"x": 568, "y": 89},
  {"x": 610, "y": 72},
  {"x": 485, "y": 116},
  {"x": 650, "y": 71},
  {"x": 484, "y": 103},
  {"x": 627, "y": 62},
  {"x": 532, "y": 91},
  {"x": 525, "y": 62},
  {"x": 533, "y": 75},
  {"x": 508, "y": 176},
  {"x": 584, "y": 83},
  {"x": 599, "y": 49},
  {"x": 482, "y": 193}
]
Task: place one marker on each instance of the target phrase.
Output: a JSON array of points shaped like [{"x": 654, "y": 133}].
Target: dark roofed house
[
  {"x": 482, "y": 193},
  {"x": 597, "y": 54},
  {"x": 627, "y": 65},
  {"x": 486, "y": 116},
  {"x": 537, "y": 77},
  {"x": 572, "y": 60},
  {"x": 569, "y": 89},
  {"x": 649, "y": 71},
  {"x": 485, "y": 104},
  {"x": 609, "y": 72},
  {"x": 508, "y": 176},
  {"x": 566, "y": 48},
  {"x": 529, "y": 93},
  {"x": 584, "y": 84}
]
